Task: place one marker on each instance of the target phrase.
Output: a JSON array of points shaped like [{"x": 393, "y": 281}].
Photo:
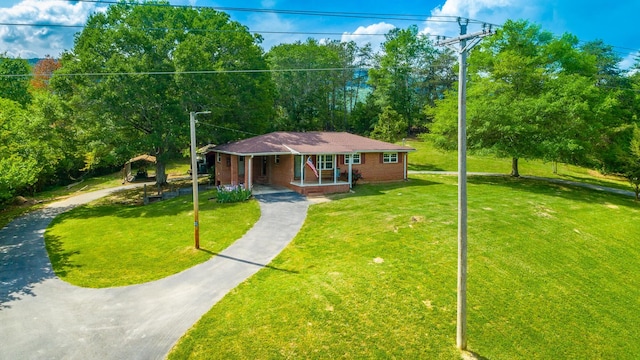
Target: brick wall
[
  {"x": 223, "y": 170},
  {"x": 374, "y": 170},
  {"x": 281, "y": 173},
  {"x": 320, "y": 190}
]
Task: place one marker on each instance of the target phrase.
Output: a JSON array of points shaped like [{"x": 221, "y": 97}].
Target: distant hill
[{"x": 33, "y": 61}]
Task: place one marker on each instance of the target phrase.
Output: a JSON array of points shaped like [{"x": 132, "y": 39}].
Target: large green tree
[
  {"x": 632, "y": 166},
  {"x": 617, "y": 110},
  {"x": 310, "y": 97},
  {"x": 14, "y": 84},
  {"x": 37, "y": 146},
  {"x": 530, "y": 95},
  {"x": 137, "y": 70},
  {"x": 19, "y": 165},
  {"x": 409, "y": 74}
]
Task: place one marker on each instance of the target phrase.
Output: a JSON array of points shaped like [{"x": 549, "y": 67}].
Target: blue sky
[{"x": 612, "y": 21}]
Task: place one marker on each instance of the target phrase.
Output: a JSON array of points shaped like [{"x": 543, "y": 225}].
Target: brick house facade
[{"x": 286, "y": 159}]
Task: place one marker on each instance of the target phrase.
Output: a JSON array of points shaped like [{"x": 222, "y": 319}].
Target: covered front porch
[
  {"x": 315, "y": 188},
  {"x": 306, "y": 174},
  {"x": 320, "y": 174}
]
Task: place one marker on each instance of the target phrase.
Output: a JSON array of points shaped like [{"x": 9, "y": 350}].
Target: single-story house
[{"x": 309, "y": 162}]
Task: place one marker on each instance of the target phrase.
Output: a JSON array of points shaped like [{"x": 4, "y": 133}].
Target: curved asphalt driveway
[{"x": 44, "y": 317}]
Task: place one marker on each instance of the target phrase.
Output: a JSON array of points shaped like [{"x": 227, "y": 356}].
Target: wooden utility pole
[
  {"x": 194, "y": 176},
  {"x": 465, "y": 43}
]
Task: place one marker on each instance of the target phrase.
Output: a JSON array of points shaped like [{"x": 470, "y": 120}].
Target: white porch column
[
  {"x": 405, "y": 166},
  {"x": 349, "y": 171},
  {"x": 249, "y": 182},
  {"x": 335, "y": 167},
  {"x": 319, "y": 169},
  {"x": 302, "y": 160}
]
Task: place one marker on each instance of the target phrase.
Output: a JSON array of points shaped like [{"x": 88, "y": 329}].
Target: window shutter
[
  {"x": 381, "y": 158},
  {"x": 361, "y": 158},
  {"x": 341, "y": 159}
]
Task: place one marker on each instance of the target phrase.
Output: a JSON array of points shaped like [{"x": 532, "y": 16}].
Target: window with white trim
[
  {"x": 389, "y": 158},
  {"x": 353, "y": 158},
  {"x": 218, "y": 157},
  {"x": 325, "y": 162}
]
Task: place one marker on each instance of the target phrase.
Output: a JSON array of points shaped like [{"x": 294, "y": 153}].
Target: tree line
[
  {"x": 532, "y": 95},
  {"x": 135, "y": 72}
]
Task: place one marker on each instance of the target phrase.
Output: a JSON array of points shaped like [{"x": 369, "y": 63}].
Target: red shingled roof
[{"x": 314, "y": 142}]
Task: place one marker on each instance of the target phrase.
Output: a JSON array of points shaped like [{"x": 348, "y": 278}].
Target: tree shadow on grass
[
  {"x": 470, "y": 355},
  {"x": 596, "y": 182},
  {"x": 549, "y": 188},
  {"x": 424, "y": 167},
  {"x": 60, "y": 259}
]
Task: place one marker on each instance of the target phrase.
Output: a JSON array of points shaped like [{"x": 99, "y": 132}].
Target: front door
[
  {"x": 297, "y": 166},
  {"x": 240, "y": 166},
  {"x": 261, "y": 169}
]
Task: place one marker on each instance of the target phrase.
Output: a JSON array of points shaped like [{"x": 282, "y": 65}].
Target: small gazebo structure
[{"x": 126, "y": 170}]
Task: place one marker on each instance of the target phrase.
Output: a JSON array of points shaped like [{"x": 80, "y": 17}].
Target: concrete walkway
[
  {"x": 550, "y": 180},
  {"x": 42, "y": 317}
]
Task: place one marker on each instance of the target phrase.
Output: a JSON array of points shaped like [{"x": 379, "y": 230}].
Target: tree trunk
[
  {"x": 554, "y": 166},
  {"x": 161, "y": 177},
  {"x": 514, "y": 167}
]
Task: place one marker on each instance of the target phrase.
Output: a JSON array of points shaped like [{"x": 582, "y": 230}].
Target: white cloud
[
  {"x": 369, "y": 34},
  {"x": 37, "y": 41},
  {"x": 470, "y": 8},
  {"x": 274, "y": 29},
  {"x": 628, "y": 62},
  {"x": 490, "y": 11}
]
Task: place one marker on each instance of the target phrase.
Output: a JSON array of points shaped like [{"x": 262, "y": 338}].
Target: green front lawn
[
  {"x": 553, "y": 274},
  {"x": 428, "y": 158},
  {"x": 105, "y": 244},
  {"x": 176, "y": 168}
]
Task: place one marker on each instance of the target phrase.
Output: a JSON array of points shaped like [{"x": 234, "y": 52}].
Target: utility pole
[
  {"x": 465, "y": 43},
  {"x": 194, "y": 176}
]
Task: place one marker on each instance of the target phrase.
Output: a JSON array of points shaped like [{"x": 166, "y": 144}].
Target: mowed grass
[
  {"x": 175, "y": 169},
  {"x": 10, "y": 212},
  {"x": 104, "y": 244},
  {"x": 553, "y": 274},
  {"x": 428, "y": 158}
]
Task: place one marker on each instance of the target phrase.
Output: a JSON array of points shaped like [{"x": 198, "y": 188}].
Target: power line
[
  {"x": 626, "y": 52},
  {"x": 199, "y": 72},
  {"x": 202, "y": 30},
  {"x": 226, "y": 128},
  {"x": 380, "y": 16},
  {"x": 345, "y": 14}
]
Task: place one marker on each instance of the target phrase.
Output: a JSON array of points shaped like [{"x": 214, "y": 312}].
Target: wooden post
[
  {"x": 461, "y": 330},
  {"x": 194, "y": 177}
]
